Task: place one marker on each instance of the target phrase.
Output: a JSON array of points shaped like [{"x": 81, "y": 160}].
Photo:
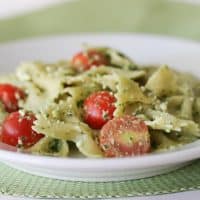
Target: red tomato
[
  {"x": 17, "y": 130},
  {"x": 10, "y": 95},
  {"x": 86, "y": 60},
  {"x": 99, "y": 108},
  {"x": 125, "y": 136}
]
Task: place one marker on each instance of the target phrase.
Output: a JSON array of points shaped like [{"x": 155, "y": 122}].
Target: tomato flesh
[
  {"x": 124, "y": 136},
  {"x": 85, "y": 60},
  {"x": 99, "y": 108},
  {"x": 10, "y": 96},
  {"x": 17, "y": 130}
]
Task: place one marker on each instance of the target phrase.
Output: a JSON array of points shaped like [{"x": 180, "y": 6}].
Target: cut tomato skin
[
  {"x": 10, "y": 96},
  {"x": 124, "y": 136},
  {"x": 17, "y": 130},
  {"x": 83, "y": 61},
  {"x": 99, "y": 108}
]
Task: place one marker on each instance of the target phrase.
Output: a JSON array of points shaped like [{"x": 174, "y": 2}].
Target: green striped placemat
[
  {"x": 146, "y": 16},
  {"x": 14, "y": 182}
]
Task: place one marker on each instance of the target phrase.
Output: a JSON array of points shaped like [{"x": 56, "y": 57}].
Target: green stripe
[
  {"x": 14, "y": 182},
  {"x": 147, "y": 16}
]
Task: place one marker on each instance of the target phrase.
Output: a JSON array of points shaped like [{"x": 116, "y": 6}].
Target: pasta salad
[{"x": 99, "y": 103}]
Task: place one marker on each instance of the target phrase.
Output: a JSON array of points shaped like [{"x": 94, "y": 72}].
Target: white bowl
[{"x": 144, "y": 49}]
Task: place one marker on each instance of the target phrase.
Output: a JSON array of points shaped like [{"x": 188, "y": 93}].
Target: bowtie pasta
[{"x": 99, "y": 103}]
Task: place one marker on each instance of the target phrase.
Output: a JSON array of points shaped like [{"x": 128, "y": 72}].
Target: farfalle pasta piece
[
  {"x": 167, "y": 122},
  {"x": 128, "y": 92},
  {"x": 162, "y": 82},
  {"x": 58, "y": 121},
  {"x": 101, "y": 71},
  {"x": 3, "y": 113},
  {"x": 50, "y": 146}
]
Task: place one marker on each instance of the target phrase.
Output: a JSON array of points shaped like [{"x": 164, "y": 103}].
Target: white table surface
[{"x": 10, "y": 8}]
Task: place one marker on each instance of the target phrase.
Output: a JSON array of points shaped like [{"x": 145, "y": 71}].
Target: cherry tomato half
[
  {"x": 99, "y": 108},
  {"x": 10, "y": 95},
  {"x": 17, "y": 130},
  {"x": 85, "y": 60},
  {"x": 124, "y": 136}
]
